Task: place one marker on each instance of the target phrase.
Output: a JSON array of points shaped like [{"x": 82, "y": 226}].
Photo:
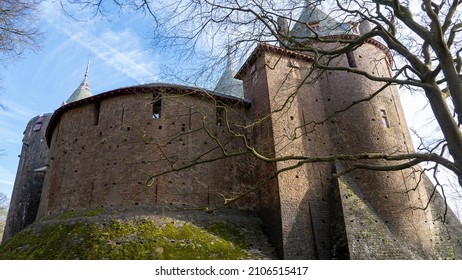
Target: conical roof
[
  {"x": 227, "y": 83},
  {"x": 83, "y": 91},
  {"x": 322, "y": 23}
]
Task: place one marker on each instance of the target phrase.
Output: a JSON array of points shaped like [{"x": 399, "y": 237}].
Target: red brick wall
[{"x": 115, "y": 161}]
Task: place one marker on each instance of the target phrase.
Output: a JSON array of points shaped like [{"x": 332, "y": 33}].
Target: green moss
[
  {"x": 447, "y": 249},
  {"x": 144, "y": 239},
  {"x": 94, "y": 212},
  {"x": 228, "y": 232},
  {"x": 69, "y": 214}
]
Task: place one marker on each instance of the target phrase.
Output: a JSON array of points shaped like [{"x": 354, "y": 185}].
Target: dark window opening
[
  {"x": 351, "y": 59},
  {"x": 156, "y": 107},
  {"x": 220, "y": 116}
]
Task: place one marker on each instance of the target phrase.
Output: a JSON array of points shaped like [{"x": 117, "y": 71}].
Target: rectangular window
[
  {"x": 220, "y": 116},
  {"x": 156, "y": 106},
  {"x": 385, "y": 121},
  {"x": 351, "y": 59}
]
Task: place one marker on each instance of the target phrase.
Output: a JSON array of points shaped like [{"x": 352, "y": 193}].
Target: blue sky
[
  {"x": 39, "y": 82},
  {"x": 120, "y": 54}
]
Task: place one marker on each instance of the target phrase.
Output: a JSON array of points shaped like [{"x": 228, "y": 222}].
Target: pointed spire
[
  {"x": 227, "y": 83},
  {"x": 83, "y": 91},
  {"x": 88, "y": 68},
  {"x": 229, "y": 62}
]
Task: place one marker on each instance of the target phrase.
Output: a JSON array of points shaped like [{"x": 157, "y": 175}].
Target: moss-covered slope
[{"x": 73, "y": 236}]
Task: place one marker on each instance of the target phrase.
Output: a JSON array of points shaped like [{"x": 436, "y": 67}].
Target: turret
[
  {"x": 33, "y": 165},
  {"x": 29, "y": 177},
  {"x": 306, "y": 114},
  {"x": 227, "y": 83},
  {"x": 83, "y": 90}
]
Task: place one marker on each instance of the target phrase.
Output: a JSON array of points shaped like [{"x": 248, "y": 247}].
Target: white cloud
[
  {"x": 120, "y": 49},
  {"x": 15, "y": 111},
  {"x": 13, "y": 116}
]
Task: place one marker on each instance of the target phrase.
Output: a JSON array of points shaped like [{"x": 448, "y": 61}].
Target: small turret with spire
[
  {"x": 83, "y": 91},
  {"x": 227, "y": 83}
]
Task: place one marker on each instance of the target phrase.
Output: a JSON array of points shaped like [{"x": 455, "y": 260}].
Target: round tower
[
  {"x": 29, "y": 177},
  {"x": 33, "y": 165},
  {"x": 367, "y": 117}
]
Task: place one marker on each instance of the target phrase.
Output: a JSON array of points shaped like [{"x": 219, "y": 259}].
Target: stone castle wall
[
  {"x": 301, "y": 193},
  {"x": 376, "y": 124},
  {"x": 166, "y": 145},
  {"x": 119, "y": 139},
  {"x": 320, "y": 113}
]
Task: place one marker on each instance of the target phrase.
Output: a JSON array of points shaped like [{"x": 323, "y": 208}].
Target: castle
[{"x": 264, "y": 140}]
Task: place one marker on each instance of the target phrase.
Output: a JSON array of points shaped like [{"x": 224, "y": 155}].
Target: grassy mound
[{"x": 141, "y": 238}]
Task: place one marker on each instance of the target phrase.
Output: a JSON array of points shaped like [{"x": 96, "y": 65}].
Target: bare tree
[
  {"x": 423, "y": 37},
  {"x": 18, "y": 27},
  {"x": 3, "y": 201},
  {"x": 3, "y": 213}
]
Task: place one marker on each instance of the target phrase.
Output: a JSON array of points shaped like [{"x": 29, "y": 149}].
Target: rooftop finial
[
  {"x": 229, "y": 62},
  {"x": 88, "y": 67}
]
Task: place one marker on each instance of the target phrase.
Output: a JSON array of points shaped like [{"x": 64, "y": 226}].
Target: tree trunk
[
  {"x": 448, "y": 125},
  {"x": 446, "y": 61}
]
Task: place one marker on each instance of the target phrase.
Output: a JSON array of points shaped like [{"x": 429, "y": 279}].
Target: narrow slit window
[
  {"x": 384, "y": 116},
  {"x": 96, "y": 111},
  {"x": 253, "y": 74},
  {"x": 156, "y": 107},
  {"x": 220, "y": 116},
  {"x": 351, "y": 59},
  {"x": 295, "y": 69}
]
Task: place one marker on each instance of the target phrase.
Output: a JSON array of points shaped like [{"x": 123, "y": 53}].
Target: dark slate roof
[
  {"x": 83, "y": 91},
  {"x": 229, "y": 84},
  {"x": 312, "y": 14}
]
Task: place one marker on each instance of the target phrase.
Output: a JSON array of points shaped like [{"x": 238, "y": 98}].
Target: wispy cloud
[
  {"x": 13, "y": 115},
  {"x": 15, "y": 111},
  {"x": 122, "y": 50}
]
